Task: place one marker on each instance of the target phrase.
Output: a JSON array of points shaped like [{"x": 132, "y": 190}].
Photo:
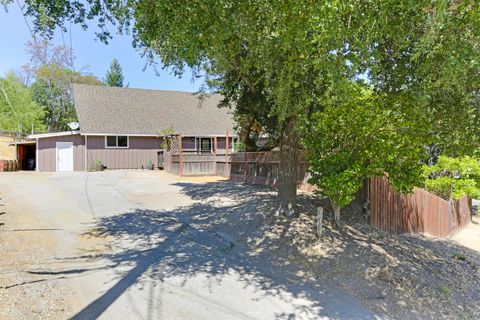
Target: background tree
[
  {"x": 53, "y": 72},
  {"x": 18, "y": 112},
  {"x": 114, "y": 76},
  {"x": 453, "y": 178}
]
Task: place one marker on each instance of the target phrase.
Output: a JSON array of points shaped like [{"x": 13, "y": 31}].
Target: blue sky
[{"x": 14, "y": 35}]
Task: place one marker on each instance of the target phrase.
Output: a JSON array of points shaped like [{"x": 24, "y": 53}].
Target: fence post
[
  {"x": 245, "y": 163},
  {"x": 319, "y": 221},
  {"x": 180, "y": 157}
]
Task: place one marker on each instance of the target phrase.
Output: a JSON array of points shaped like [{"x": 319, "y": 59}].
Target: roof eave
[{"x": 53, "y": 134}]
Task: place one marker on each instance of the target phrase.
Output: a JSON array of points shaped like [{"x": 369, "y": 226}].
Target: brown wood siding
[
  {"x": 420, "y": 212},
  {"x": 47, "y": 153},
  {"x": 140, "y": 150}
]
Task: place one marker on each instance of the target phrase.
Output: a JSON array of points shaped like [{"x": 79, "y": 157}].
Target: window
[
  {"x": 122, "y": 141},
  {"x": 116, "y": 141},
  {"x": 203, "y": 145},
  {"x": 206, "y": 145},
  {"x": 111, "y": 141}
]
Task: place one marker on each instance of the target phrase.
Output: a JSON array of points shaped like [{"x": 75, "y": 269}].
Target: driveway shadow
[{"x": 201, "y": 239}]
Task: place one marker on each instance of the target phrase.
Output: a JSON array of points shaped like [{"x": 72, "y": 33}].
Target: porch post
[
  {"x": 226, "y": 154},
  {"x": 180, "y": 157},
  {"x": 215, "y": 155},
  {"x": 227, "y": 170},
  {"x": 86, "y": 152},
  {"x": 37, "y": 167}
]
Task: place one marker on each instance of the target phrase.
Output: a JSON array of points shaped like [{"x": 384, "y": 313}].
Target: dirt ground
[
  {"x": 470, "y": 236},
  {"x": 401, "y": 276},
  {"x": 26, "y": 247},
  {"x": 138, "y": 245}
]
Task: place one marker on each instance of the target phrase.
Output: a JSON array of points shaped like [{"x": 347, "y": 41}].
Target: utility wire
[{"x": 26, "y": 22}]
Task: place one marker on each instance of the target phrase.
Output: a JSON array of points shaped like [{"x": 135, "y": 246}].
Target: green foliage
[
  {"x": 53, "y": 71},
  {"x": 165, "y": 136},
  {"x": 459, "y": 256},
  {"x": 114, "y": 76},
  {"x": 52, "y": 90},
  {"x": 444, "y": 290},
  {"x": 358, "y": 135},
  {"x": 453, "y": 178},
  {"x": 167, "y": 131},
  {"x": 98, "y": 166},
  {"x": 18, "y": 112}
]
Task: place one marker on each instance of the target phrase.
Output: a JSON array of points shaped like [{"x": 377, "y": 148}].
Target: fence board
[{"x": 420, "y": 212}]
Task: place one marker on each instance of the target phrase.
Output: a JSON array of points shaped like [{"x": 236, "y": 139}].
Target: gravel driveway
[{"x": 146, "y": 245}]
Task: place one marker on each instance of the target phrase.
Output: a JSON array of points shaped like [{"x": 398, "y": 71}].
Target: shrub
[{"x": 453, "y": 178}]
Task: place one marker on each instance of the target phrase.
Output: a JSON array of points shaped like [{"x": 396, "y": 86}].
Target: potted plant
[
  {"x": 98, "y": 165},
  {"x": 150, "y": 165}
]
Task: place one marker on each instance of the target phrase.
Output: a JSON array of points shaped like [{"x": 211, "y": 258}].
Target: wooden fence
[
  {"x": 250, "y": 167},
  {"x": 195, "y": 164},
  {"x": 9, "y": 165},
  {"x": 420, "y": 212},
  {"x": 263, "y": 168}
]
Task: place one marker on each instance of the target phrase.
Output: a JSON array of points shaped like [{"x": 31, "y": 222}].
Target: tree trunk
[
  {"x": 336, "y": 213},
  {"x": 287, "y": 176}
]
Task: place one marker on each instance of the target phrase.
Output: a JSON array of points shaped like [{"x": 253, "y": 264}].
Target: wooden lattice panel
[{"x": 175, "y": 144}]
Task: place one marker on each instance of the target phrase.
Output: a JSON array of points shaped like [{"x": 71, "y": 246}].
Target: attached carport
[{"x": 25, "y": 154}]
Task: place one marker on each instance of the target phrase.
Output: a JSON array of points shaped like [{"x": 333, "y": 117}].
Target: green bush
[{"x": 453, "y": 178}]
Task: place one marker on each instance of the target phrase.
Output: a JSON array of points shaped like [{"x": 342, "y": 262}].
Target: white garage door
[{"x": 64, "y": 156}]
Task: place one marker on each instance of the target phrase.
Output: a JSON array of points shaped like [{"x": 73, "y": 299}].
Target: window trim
[
  {"x": 198, "y": 145},
  {"x": 116, "y": 138}
]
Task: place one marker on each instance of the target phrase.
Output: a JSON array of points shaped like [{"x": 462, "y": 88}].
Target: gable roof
[{"x": 114, "y": 110}]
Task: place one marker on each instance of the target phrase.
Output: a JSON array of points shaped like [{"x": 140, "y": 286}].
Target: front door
[{"x": 64, "y": 156}]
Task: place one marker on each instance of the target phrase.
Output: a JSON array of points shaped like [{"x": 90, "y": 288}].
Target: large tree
[
  {"x": 18, "y": 112},
  {"x": 114, "y": 76},
  {"x": 53, "y": 71},
  {"x": 281, "y": 63},
  {"x": 422, "y": 63}
]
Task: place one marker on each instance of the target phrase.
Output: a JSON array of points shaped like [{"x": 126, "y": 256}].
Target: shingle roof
[{"x": 102, "y": 109}]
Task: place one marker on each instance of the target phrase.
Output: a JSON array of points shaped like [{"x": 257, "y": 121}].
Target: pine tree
[{"x": 114, "y": 77}]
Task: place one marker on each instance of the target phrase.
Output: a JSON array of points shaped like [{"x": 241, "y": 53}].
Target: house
[{"x": 124, "y": 128}]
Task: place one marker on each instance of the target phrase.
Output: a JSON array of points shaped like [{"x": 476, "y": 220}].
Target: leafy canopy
[
  {"x": 360, "y": 134},
  {"x": 52, "y": 69},
  {"x": 18, "y": 112},
  {"x": 422, "y": 66},
  {"x": 453, "y": 178}
]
